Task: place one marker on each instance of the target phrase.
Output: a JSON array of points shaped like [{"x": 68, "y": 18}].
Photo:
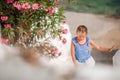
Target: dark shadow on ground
[{"x": 103, "y": 57}]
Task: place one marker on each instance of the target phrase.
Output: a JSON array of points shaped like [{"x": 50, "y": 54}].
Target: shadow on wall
[{"x": 103, "y": 57}]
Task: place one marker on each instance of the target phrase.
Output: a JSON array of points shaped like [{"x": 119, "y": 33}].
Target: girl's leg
[{"x": 90, "y": 62}]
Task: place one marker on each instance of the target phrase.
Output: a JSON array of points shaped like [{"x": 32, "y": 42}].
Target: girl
[{"x": 80, "y": 48}]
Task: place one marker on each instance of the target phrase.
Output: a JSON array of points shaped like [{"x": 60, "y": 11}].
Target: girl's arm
[
  {"x": 73, "y": 53},
  {"x": 100, "y": 48}
]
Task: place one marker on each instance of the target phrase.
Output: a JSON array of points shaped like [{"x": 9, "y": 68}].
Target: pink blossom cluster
[
  {"x": 64, "y": 41},
  {"x": 27, "y": 6},
  {"x": 57, "y": 0},
  {"x": 50, "y": 10},
  {"x": 34, "y": 6},
  {"x": 55, "y": 52},
  {"x": 24, "y": 6},
  {"x": 51, "y": 50},
  {"x": 63, "y": 31},
  {"x": 7, "y": 25},
  {"x": 9, "y": 1},
  {"x": 5, "y": 18},
  {"x": 3, "y": 40}
]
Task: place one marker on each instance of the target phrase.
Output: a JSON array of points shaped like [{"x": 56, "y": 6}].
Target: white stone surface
[
  {"x": 116, "y": 60},
  {"x": 64, "y": 61}
]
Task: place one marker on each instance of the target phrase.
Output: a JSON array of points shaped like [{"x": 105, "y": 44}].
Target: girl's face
[{"x": 81, "y": 36}]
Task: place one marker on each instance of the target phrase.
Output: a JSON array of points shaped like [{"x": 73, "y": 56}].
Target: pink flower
[
  {"x": 51, "y": 10},
  {"x": 64, "y": 40},
  {"x": 55, "y": 50},
  {"x": 64, "y": 31},
  {"x": 40, "y": 5},
  {"x": 7, "y": 25},
  {"x": 60, "y": 53},
  {"x": 46, "y": 10},
  {"x": 26, "y": 6},
  {"x": 17, "y": 5},
  {"x": 35, "y": 6},
  {"x": 5, "y": 41},
  {"x": 4, "y": 18},
  {"x": 64, "y": 22},
  {"x": 9, "y": 1},
  {"x": 57, "y": 0}
]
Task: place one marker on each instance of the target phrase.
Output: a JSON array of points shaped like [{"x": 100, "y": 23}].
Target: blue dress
[{"x": 82, "y": 52}]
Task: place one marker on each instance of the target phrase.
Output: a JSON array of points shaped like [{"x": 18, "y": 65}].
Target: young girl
[{"x": 80, "y": 48}]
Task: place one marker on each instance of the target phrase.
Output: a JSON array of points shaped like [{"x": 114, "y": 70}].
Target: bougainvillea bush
[{"x": 23, "y": 22}]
